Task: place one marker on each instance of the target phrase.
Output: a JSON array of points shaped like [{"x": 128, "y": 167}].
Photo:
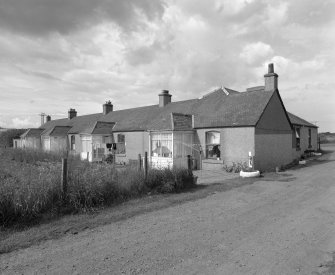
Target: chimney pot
[
  {"x": 72, "y": 113},
  {"x": 107, "y": 107},
  {"x": 270, "y": 68},
  {"x": 48, "y": 118},
  {"x": 164, "y": 98}
]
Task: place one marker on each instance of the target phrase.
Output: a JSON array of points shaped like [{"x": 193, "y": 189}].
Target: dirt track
[{"x": 270, "y": 227}]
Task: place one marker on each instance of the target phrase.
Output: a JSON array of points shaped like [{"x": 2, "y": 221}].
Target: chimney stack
[
  {"x": 107, "y": 107},
  {"x": 271, "y": 79},
  {"x": 48, "y": 118},
  {"x": 164, "y": 98},
  {"x": 72, "y": 113}
]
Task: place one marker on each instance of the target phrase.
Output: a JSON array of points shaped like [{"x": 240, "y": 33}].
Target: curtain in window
[
  {"x": 297, "y": 138},
  {"x": 161, "y": 145},
  {"x": 297, "y": 132}
]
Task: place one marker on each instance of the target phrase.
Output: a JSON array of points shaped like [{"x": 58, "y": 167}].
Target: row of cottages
[{"x": 220, "y": 128}]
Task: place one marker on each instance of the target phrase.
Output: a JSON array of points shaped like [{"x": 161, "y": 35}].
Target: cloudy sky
[{"x": 57, "y": 54}]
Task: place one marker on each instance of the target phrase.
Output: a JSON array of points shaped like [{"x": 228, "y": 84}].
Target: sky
[{"x": 56, "y": 54}]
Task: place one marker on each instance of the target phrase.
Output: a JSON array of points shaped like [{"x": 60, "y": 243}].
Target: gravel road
[{"x": 285, "y": 226}]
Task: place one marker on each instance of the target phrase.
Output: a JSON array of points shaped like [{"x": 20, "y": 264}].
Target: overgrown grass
[{"x": 30, "y": 185}]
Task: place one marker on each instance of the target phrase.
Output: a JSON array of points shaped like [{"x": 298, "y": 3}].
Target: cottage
[
  {"x": 30, "y": 139},
  {"x": 55, "y": 139},
  {"x": 221, "y": 128}
]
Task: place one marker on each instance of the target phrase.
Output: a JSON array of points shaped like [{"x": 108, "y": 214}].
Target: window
[
  {"x": 161, "y": 145},
  {"x": 309, "y": 138},
  {"x": 121, "y": 144},
  {"x": 213, "y": 145},
  {"x": 297, "y": 138},
  {"x": 107, "y": 139},
  {"x": 73, "y": 142}
]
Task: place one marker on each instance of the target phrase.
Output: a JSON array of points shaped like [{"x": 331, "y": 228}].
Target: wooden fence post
[
  {"x": 64, "y": 177},
  {"x": 189, "y": 164},
  {"x": 139, "y": 167},
  {"x": 145, "y": 164}
]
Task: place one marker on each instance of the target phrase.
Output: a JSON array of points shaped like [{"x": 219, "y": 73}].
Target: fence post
[
  {"x": 139, "y": 167},
  {"x": 64, "y": 177},
  {"x": 145, "y": 164},
  {"x": 189, "y": 164}
]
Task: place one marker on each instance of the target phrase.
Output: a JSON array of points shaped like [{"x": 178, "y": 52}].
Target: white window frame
[
  {"x": 161, "y": 137},
  {"x": 207, "y": 144}
]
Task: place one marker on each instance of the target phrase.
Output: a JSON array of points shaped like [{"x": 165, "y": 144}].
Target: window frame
[
  {"x": 309, "y": 138},
  {"x": 73, "y": 143},
  {"x": 207, "y": 145},
  {"x": 297, "y": 134},
  {"x": 121, "y": 144},
  {"x": 162, "y": 140}
]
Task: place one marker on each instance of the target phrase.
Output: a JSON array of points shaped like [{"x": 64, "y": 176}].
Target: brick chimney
[
  {"x": 48, "y": 118},
  {"x": 164, "y": 98},
  {"x": 107, "y": 107},
  {"x": 271, "y": 79},
  {"x": 72, "y": 113}
]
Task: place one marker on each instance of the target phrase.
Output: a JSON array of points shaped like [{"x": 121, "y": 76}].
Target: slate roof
[
  {"x": 32, "y": 133},
  {"x": 57, "y": 131},
  {"x": 216, "y": 109},
  {"x": 99, "y": 128},
  {"x": 295, "y": 120},
  {"x": 77, "y": 124}
]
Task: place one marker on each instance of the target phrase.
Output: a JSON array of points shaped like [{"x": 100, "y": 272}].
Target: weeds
[
  {"x": 235, "y": 167},
  {"x": 30, "y": 185}
]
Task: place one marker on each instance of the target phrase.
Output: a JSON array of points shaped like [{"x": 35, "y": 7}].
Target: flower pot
[{"x": 252, "y": 174}]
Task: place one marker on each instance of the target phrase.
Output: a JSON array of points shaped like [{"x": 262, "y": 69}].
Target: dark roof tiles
[
  {"x": 216, "y": 109},
  {"x": 32, "y": 133},
  {"x": 295, "y": 120}
]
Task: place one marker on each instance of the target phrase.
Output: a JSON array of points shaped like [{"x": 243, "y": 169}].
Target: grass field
[{"x": 30, "y": 185}]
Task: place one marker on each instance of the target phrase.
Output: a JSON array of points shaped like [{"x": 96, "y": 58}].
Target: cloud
[
  {"x": 79, "y": 53},
  {"x": 43, "y": 75},
  {"x": 276, "y": 15},
  {"x": 256, "y": 52},
  {"x": 23, "y": 123},
  {"x": 311, "y": 13},
  {"x": 42, "y": 17}
]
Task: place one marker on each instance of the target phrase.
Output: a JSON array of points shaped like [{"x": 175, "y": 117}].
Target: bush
[
  {"x": 30, "y": 186},
  {"x": 6, "y": 137}
]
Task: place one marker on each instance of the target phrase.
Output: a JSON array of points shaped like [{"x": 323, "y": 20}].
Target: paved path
[{"x": 283, "y": 226}]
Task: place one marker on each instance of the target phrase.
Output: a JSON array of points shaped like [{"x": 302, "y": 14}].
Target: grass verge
[{"x": 30, "y": 186}]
